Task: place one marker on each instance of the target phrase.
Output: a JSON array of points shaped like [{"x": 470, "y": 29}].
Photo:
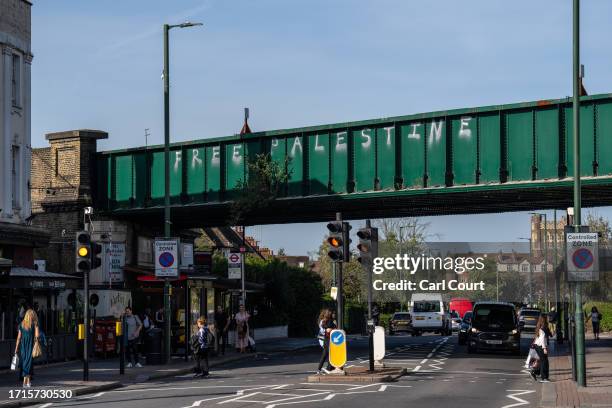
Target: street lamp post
[
  {"x": 530, "y": 272},
  {"x": 545, "y": 257},
  {"x": 577, "y": 84},
  {"x": 167, "y": 223}
]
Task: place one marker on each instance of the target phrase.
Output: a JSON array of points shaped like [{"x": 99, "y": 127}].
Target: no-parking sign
[
  {"x": 582, "y": 258},
  {"x": 166, "y": 258}
]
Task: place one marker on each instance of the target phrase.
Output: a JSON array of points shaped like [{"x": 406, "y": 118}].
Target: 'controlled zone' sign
[
  {"x": 166, "y": 258},
  {"x": 582, "y": 257}
]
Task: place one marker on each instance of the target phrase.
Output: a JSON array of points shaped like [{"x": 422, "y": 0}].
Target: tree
[
  {"x": 602, "y": 289},
  {"x": 265, "y": 182},
  {"x": 352, "y": 274}
]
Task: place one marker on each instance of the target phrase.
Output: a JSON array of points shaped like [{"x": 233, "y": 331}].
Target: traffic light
[
  {"x": 96, "y": 255},
  {"x": 339, "y": 241},
  {"x": 368, "y": 245},
  {"x": 83, "y": 251}
]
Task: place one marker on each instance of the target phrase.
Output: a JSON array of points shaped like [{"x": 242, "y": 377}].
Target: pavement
[
  {"x": 104, "y": 374},
  {"x": 563, "y": 391},
  {"x": 439, "y": 373}
]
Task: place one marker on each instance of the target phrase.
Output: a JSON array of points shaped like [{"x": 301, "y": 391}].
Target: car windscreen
[
  {"x": 426, "y": 306},
  {"x": 494, "y": 318},
  {"x": 401, "y": 316},
  {"x": 530, "y": 313}
]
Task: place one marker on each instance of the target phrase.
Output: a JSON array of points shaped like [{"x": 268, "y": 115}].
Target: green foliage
[
  {"x": 605, "y": 308},
  {"x": 266, "y": 181},
  {"x": 352, "y": 272}
]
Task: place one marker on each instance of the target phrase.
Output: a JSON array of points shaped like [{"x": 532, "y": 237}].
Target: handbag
[
  {"x": 15, "y": 363},
  {"x": 37, "y": 350}
]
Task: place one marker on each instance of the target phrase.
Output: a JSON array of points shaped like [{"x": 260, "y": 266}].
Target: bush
[{"x": 605, "y": 308}]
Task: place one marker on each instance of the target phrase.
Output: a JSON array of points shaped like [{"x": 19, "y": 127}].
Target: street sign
[
  {"x": 166, "y": 258},
  {"x": 379, "y": 343},
  {"x": 582, "y": 257},
  {"x": 333, "y": 292},
  {"x": 234, "y": 265},
  {"x": 337, "y": 348}
]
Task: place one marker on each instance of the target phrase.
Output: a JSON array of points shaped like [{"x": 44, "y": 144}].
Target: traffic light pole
[
  {"x": 371, "y": 327},
  {"x": 167, "y": 314},
  {"x": 86, "y": 325},
  {"x": 340, "y": 298},
  {"x": 577, "y": 82}
]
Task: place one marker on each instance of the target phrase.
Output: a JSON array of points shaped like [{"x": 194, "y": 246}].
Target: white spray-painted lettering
[
  {"x": 340, "y": 141},
  {"x": 464, "y": 130},
  {"x": 435, "y": 132},
  {"x": 274, "y": 143},
  {"x": 216, "y": 156},
  {"x": 236, "y": 156},
  {"x": 318, "y": 147},
  {"x": 296, "y": 143},
  {"x": 367, "y": 139},
  {"x": 177, "y": 159},
  {"x": 195, "y": 158},
  {"x": 388, "y": 130},
  {"x": 414, "y": 134}
]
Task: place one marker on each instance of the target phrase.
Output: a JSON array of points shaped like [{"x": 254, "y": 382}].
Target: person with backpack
[
  {"x": 199, "y": 345},
  {"x": 134, "y": 326},
  {"x": 326, "y": 325},
  {"x": 595, "y": 321}
]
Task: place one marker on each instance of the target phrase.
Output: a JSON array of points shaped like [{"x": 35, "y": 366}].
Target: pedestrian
[
  {"x": 326, "y": 325},
  {"x": 27, "y": 338},
  {"x": 147, "y": 321},
  {"x": 199, "y": 345},
  {"x": 242, "y": 329},
  {"x": 221, "y": 326},
  {"x": 595, "y": 321},
  {"x": 134, "y": 326},
  {"x": 541, "y": 347},
  {"x": 159, "y": 317}
]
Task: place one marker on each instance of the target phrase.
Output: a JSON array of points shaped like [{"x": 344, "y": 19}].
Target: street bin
[{"x": 153, "y": 346}]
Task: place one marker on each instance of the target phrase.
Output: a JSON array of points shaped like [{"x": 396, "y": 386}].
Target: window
[
  {"x": 524, "y": 268},
  {"x": 15, "y": 176},
  {"x": 15, "y": 81}
]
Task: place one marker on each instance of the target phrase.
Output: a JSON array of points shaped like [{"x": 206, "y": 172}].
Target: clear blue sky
[{"x": 297, "y": 63}]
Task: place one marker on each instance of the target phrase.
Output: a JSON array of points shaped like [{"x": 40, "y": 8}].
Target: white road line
[
  {"x": 279, "y": 387},
  {"x": 415, "y": 369},
  {"x": 48, "y": 404},
  {"x": 382, "y": 388},
  {"x": 240, "y": 397},
  {"x": 475, "y": 372},
  {"x": 515, "y": 397}
]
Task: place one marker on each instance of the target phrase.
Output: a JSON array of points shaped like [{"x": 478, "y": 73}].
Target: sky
[{"x": 98, "y": 65}]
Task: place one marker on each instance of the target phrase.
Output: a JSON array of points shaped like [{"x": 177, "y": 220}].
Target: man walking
[{"x": 134, "y": 326}]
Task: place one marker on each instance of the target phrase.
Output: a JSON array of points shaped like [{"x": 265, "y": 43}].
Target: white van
[{"x": 429, "y": 314}]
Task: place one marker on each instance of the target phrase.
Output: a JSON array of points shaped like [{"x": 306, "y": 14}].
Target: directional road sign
[{"x": 337, "y": 348}]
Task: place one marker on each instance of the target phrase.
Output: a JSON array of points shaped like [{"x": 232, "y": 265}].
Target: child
[{"x": 200, "y": 348}]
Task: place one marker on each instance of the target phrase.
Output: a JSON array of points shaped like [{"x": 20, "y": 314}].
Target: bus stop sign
[
  {"x": 337, "y": 348},
  {"x": 582, "y": 257}
]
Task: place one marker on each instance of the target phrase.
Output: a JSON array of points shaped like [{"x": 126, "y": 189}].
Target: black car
[
  {"x": 464, "y": 328},
  {"x": 401, "y": 321},
  {"x": 494, "y": 327}
]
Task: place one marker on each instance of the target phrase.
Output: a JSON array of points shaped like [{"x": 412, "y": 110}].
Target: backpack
[{"x": 195, "y": 343}]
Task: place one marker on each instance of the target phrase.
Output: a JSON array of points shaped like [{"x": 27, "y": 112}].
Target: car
[
  {"x": 528, "y": 318},
  {"x": 494, "y": 328},
  {"x": 429, "y": 314},
  {"x": 400, "y": 322},
  {"x": 464, "y": 328},
  {"x": 455, "y": 320}
]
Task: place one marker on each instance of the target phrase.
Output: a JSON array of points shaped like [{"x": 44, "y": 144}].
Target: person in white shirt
[
  {"x": 540, "y": 344},
  {"x": 595, "y": 320}
]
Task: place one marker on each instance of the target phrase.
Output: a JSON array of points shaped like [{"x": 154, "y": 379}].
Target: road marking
[
  {"x": 516, "y": 398},
  {"x": 415, "y": 369},
  {"x": 48, "y": 404},
  {"x": 474, "y": 372}
]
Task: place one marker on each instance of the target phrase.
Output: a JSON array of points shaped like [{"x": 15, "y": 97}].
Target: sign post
[
  {"x": 166, "y": 267},
  {"x": 379, "y": 346},
  {"x": 337, "y": 351},
  {"x": 234, "y": 266}
]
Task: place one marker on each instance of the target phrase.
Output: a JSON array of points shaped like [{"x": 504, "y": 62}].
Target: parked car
[
  {"x": 461, "y": 306},
  {"x": 400, "y": 322},
  {"x": 528, "y": 318},
  {"x": 455, "y": 321},
  {"x": 494, "y": 327},
  {"x": 429, "y": 314},
  {"x": 464, "y": 328}
]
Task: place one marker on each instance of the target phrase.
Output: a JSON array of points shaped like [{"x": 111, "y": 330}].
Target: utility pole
[
  {"x": 559, "y": 331},
  {"x": 577, "y": 82}
]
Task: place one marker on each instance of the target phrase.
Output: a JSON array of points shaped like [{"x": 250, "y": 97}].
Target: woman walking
[
  {"x": 242, "y": 329},
  {"x": 541, "y": 347},
  {"x": 26, "y": 339},
  {"x": 326, "y": 325},
  {"x": 595, "y": 321}
]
